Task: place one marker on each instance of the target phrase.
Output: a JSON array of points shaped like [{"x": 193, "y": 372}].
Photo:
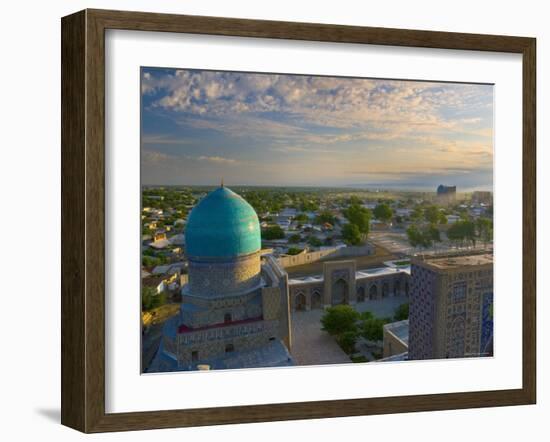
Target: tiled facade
[
  {"x": 215, "y": 326},
  {"x": 342, "y": 284},
  {"x": 450, "y": 310},
  {"x": 211, "y": 276}
]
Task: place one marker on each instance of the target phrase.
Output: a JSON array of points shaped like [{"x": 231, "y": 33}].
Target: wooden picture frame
[{"x": 83, "y": 219}]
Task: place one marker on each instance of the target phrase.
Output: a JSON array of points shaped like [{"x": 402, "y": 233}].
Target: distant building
[
  {"x": 451, "y": 219},
  {"x": 482, "y": 197},
  {"x": 446, "y": 194},
  {"x": 451, "y": 307}
]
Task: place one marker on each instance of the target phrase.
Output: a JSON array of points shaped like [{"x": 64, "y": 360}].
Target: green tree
[
  {"x": 401, "y": 312},
  {"x": 347, "y": 341},
  {"x": 373, "y": 329},
  {"x": 360, "y": 216},
  {"x": 432, "y": 214},
  {"x": 273, "y": 232},
  {"x": 418, "y": 238},
  {"x": 293, "y": 251},
  {"x": 432, "y": 232},
  {"x": 461, "y": 231},
  {"x": 295, "y": 238},
  {"x": 484, "y": 228},
  {"x": 150, "y": 299},
  {"x": 314, "y": 241},
  {"x": 383, "y": 212},
  {"x": 417, "y": 214},
  {"x": 340, "y": 319},
  {"x": 325, "y": 217},
  {"x": 351, "y": 234},
  {"x": 301, "y": 218}
]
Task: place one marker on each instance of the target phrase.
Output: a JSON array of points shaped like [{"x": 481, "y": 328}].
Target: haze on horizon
[{"x": 295, "y": 130}]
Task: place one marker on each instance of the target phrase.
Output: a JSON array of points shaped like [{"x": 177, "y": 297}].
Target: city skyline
[{"x": 295, "y": 130}]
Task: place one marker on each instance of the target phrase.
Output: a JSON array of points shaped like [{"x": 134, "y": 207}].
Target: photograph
[{"x": 302, "y": 220}]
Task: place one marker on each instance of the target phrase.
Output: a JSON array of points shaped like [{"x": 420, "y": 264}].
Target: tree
[
  {"x": 401, "y": 312},
  {"x": 366, "y": 315},
  {"x": 484, "y": 227},
  {"x": 383, "y": 212},
  {"x": 424, "y": 237},
  {"x": 432, "y": 214},
  {"x": 416, "y": 214},
  {"x": 418, "y": 238},
  {"x": 339, "y": 319},
  {"x": 351, "y": 234},
  {"x": 462, "y": 231},
  {"x": 301, "y": 218},
  {"x": 347, "y": 341},
  {"x": 325, "y": 217},
  {"x": 293, "y": 251},
  {"x": 314, "y": 241},
  {"x": 432, "y": 232},
  {"x": 295, "y": 238},
  {"x": 360, "y": 216},
  {"x": 150, "y": 299},
  {"x": 373, "y": 329},
  {"x": 273, "y": 232}
]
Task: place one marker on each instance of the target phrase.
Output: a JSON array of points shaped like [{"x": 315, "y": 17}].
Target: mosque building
[{"x": 235, "y": 307}]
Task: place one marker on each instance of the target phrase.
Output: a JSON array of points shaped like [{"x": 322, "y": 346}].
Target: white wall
[{"x": 30, "y": 188}]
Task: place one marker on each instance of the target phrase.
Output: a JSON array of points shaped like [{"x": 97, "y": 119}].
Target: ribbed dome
[{"x": 222, "y": 224}]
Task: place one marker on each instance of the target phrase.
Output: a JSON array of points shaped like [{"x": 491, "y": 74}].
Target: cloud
[
  {"x": 336, "y": 125},
  {"x": 163, "y": 139},
  {"x": 156, "y": 157},
  {"x": 323, "y": 101},
  {"x": 300, "y": 149},
  {"x": 218, "y": 160}
]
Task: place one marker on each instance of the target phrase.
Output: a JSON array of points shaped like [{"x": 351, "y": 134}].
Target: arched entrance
[
  {"x": 340, "y": 292},
  {"x": 396, "y": 288},
  {"x": 316, "y": 300},
  {"x": 300, "y": 302},
  {"x": 361, "y": 294},
  {"x": 406, "y": 289},
  {"x": 456, "y": 347},
  {"x": 373, "y": 292},
  {"x": 385, "y": 290}
]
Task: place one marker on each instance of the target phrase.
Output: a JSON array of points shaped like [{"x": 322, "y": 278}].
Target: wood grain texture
[
  {"x": 83, "y": 219},
  {"x": 73, "y": 253}
]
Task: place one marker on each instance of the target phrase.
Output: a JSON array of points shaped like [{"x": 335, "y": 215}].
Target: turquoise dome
[{"x": 222, "y": 224}]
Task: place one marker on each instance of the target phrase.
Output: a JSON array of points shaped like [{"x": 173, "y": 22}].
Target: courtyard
[{"x": 313, "y": 346}]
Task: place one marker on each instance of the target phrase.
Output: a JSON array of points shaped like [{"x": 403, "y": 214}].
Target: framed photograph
[{"x": 267, "y": 221}]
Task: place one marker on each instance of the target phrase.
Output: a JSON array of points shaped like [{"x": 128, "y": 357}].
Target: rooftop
[
  {"x": 450, "y": 262},
  {"x": 360, "y": 274},
  {"x": 400, "y": 330}
]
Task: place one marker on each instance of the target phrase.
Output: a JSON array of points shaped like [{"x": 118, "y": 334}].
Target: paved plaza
[{"x": 312, "y": 346}]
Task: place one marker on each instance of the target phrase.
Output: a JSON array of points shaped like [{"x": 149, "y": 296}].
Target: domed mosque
[{"x": 235, "y": 306}]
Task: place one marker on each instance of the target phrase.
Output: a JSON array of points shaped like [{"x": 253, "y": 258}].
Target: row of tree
[{"x": 462, "y": 232}]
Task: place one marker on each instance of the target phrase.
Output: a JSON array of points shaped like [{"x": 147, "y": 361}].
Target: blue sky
[{"x": 294, "y": 130}]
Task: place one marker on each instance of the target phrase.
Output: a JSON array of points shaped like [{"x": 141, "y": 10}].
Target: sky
[{"x": 198, "y": 127}]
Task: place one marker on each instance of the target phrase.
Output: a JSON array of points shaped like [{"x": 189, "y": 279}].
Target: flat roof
[
  {"x": 399, "y": 329},
  {"x": 360, "y": 274},
  {"x": 460, "y": 261}
]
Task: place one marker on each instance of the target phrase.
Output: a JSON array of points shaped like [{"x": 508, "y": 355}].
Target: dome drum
[{"x": 210, "y": 278}]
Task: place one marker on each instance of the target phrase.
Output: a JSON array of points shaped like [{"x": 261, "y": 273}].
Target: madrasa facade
[{"x": 238, "y": 302}]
